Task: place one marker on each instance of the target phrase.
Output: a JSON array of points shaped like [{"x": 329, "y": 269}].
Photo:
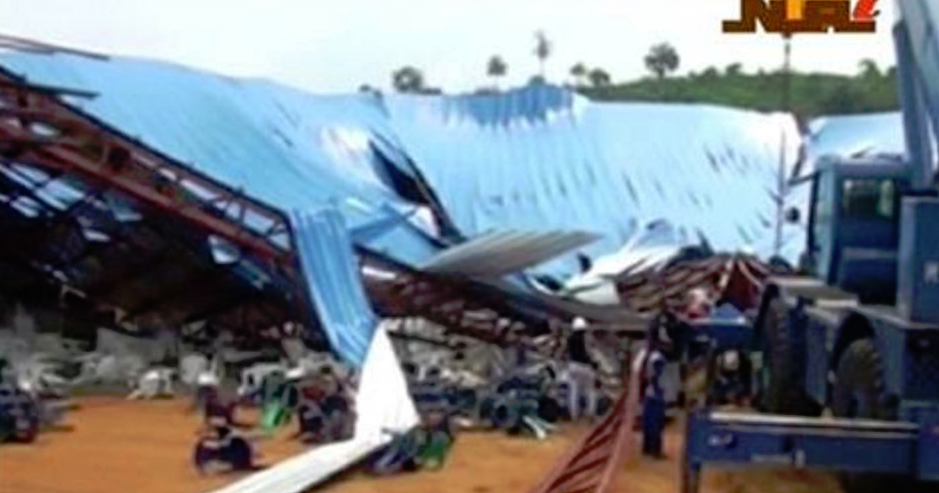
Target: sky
[{"x": 329, "y": 46}]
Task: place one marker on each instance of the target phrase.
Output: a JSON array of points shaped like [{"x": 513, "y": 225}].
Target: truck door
[{"x": 821, "y": 223}]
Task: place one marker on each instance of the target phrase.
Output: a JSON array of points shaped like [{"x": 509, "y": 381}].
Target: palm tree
[
  {"x": 543, "y": 50},
  {"x": 579, "y": 71},
  {"x": 496, "y": 68},
  {"x": 599, "y": 77},
  {"x": 662, "y": 59}
]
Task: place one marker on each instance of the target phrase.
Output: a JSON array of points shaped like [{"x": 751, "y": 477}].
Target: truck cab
[{"x": 854, "y": 226}]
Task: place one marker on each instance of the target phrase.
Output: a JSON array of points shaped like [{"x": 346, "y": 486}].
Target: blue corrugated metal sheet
[
  {"x": 332, "y": 277},
  {"x": 534, "y": 159},
  {"x": 543, "y": 158},
  {"x": 848, "y": 135}
]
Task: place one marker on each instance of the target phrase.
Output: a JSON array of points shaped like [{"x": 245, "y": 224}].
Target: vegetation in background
[
  {"x": 662, "y": 60},
  {"x": 496, "y": 68},
  {"x": 812, "y": 94},
  {"x": 871, "y": 89}
]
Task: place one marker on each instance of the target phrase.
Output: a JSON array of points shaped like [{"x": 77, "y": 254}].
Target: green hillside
[{"x": 811, "y": 94}]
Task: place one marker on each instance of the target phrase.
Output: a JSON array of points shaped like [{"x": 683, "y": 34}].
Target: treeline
[
  {"x": 811, "y": 94},
  {"x": 871, "y": 89}
]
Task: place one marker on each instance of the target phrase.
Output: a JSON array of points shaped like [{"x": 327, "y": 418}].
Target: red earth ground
[{"x": 145, "y": 447}]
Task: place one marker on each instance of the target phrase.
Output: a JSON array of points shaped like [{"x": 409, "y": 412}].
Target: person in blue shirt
[{"x": 653, "y": 407}]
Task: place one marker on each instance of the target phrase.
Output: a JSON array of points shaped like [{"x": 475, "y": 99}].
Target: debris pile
[
  {"x": 516, "y": 390},
  {"x": 725, "y": 278}
]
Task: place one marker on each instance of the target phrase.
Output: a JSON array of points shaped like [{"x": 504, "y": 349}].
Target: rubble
[{"x": 518, "y": 391}]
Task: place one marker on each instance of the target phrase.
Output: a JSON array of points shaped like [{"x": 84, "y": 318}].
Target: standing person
[{"x": 653, "y": 408}]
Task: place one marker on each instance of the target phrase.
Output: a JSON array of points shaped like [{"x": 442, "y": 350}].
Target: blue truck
[{"x": 847, "y": 351}]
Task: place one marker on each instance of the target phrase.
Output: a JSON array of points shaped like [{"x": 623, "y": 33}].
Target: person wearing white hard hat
[{"x": 577, "y": 343}]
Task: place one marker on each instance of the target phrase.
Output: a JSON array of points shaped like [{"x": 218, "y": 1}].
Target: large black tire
[
  {"x": 782, "y": 389},
  {"x": 860, "y": 392}
]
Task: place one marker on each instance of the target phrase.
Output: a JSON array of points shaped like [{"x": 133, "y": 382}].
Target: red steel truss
[{"x": 591, "y": 465}]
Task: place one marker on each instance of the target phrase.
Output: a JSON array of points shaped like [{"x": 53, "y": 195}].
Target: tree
[
  {"x": 543, "y": 50},
  {"x": 407, "y": 79},
  {"x": 496, "y": 68},
  {"x": 662, "y": 59},
  {"x": 734, "y": 69},
  {"x": 599, "y": 77},
  {"x": 579, "y": 71},
  {"x": 536, "y": 80},
  {"x": 868, "y": 69}
]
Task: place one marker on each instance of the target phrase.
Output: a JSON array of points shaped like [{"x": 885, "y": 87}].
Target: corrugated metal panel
[
  {"x": 332, "y": 276},
  {"x": 499, "y": 254}
]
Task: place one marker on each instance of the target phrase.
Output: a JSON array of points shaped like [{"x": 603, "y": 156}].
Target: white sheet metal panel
[{"x": 500, "y": 253}]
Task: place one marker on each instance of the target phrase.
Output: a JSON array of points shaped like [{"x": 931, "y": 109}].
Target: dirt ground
[{"x": 144, "y": 447}]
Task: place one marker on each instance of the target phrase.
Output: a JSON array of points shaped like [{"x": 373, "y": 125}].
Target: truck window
[
  {"x": 871, "y": 199},
  {"x": 822, "y": 210}
]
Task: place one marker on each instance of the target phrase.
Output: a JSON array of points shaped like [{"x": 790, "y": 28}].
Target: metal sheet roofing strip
[
  {"x": 502, "y": 253},
  {"x": 332, "y": 277}
]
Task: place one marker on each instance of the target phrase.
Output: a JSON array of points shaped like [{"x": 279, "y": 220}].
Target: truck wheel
[
  {"x": 782, "y": 392},
  {"x": 859, "y": 386},
  {"x": 860, "y": 392}
]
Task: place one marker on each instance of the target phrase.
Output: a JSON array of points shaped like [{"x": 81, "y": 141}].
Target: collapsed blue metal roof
[
  {"x": 545, "y": 158},
  {"x": 539, "y": 158}
]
